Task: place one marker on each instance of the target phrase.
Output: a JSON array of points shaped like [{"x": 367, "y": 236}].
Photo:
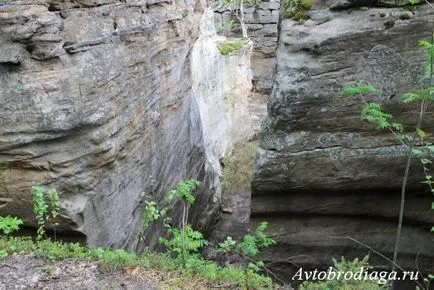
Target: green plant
[
  {"x": 10, "y": 224},
  {"x": 296, "y": 9},
  {"x": 237, "y": 9},
  {"x": 359, "y": 282},
  {"x": 194, "y": 270},
  {"x": 251, "y": 244},
  {"x": 249, "y": 248},
  {"x": 184, "y": 240},
  {"x": 184, "y": 243},
  {"x": 45, "y": 212},
  {"x": 3, "y": 254},
  {"x": 227, "y": 47},
  {"x": 151, "y": 214}
]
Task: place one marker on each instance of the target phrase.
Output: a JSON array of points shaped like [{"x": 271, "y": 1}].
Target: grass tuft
[{"x": 228, "y": 47}]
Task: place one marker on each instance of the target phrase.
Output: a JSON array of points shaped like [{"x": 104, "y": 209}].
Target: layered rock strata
[
  {"x": 96, "y": 100},
  {"x": 321, "y": 174}
]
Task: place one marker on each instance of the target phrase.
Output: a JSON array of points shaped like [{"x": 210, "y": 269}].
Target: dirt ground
[{"x": 24, "y": 272}]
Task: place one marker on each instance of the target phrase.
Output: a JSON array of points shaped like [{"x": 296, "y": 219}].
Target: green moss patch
[{"x": 230, "y": 46}]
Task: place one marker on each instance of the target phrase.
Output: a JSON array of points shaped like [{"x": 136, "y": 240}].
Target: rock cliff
[
  {"x": 322, "y": 175},
  {"x": 96, "y": 100}
]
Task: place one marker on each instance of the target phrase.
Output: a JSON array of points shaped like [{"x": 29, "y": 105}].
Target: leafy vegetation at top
[
  {"x": 230, "y": 46},
  {"x": 296, "y": 9}
]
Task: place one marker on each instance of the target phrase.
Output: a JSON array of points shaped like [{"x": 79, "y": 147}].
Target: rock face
[
  {"x": 221, "y": 84},
  {"x": 96, "y": 100},
  {"x": 261, "y": 21},
  {"x": 320, "y": 173}
]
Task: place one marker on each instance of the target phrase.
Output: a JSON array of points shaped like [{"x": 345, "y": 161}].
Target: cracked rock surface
[
  {"x": 322, "y": 173},
  {"x": 96, "y": 101}
]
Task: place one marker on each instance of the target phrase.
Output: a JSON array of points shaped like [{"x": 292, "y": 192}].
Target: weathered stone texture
[
  {"x": 261, "y": 21},
  {"x": 321, "y": 172},
  {"x": 96, "y": 100}
]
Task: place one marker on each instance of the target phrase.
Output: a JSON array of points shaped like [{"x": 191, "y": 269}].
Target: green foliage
[
  {"x": 296, "y": 9},
  {"x": 10, "y": 224},
  {"x": 40, "y": 209},
  {"x": 3, "y": 254},
  {"x": 344, "y": 266},
  {"x": 372, "y": 112},
  {"x": 416, "y": 142},
  {"x": 184, "y": 191},
  {"x": 359, "y": 89},
  {"x": 251, "y": 244},
  {"x": 184, "y": 243},
  {"x": 48, "y": 249},
  {"x": 227, "y": 245},
  {"x": 228, "y": 47},
  {"x": 247, "y": 278},
  {"x": 53, "y": 197},
  {"x": 193, "y": 269},
  {"x": 429, "y": 48},
  {"x": 45, "y": 211},
  {"x": 151, "y": 214}
]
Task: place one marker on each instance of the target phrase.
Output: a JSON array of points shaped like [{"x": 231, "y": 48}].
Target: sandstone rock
[
  {"x": 317, "y": 161},
  {"x": 261, "y": 21},
  {"x": 10, "y": 54},
  {"x": 341, "y": 4},
  {"x": 101, "y": 107},
  {"x": 344, "y": 4},
  {"x": 320, "y": 16}
]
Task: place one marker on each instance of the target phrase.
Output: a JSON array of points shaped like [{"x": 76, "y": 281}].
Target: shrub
[
  {"x": 296, "y": 9},
  {"x": 45, "y": 211},
  {"x": 184, "y": 244},
  {"x": 10, "y": 224}
]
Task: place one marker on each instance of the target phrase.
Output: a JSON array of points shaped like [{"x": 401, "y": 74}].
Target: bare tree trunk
[{"x": 423, "y": 108}]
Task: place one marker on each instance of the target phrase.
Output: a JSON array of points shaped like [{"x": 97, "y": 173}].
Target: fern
[
  {"x": 359, "y": 89},
  {"x": 184, "y": 243},
  {"x": 410, "y": 98},
  {"x": 9, "y": 224}
]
